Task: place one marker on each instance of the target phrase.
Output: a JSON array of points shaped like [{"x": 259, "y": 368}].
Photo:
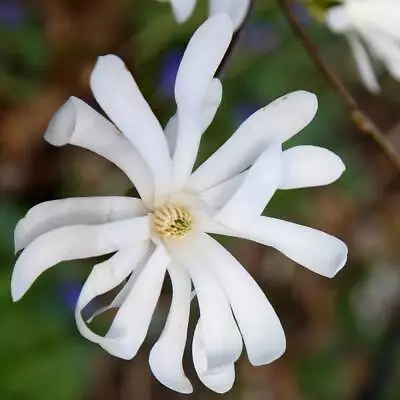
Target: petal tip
[{"x": 61, "y": 126}]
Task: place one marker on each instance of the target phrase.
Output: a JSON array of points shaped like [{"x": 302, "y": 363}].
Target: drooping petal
[
  {"x": 259, "y": 185},
  {"x": 78, "y": 124},
  {"x": 194, "y": 78},
  {"x": 117, "y": 93},
  {"x": 74, "y": 242},
  {"x": 220, "y": 380},
  {"x": 221, "y": 337},
  {"x": 104, "y": 277},
  {"x": 260, "y": 326},
  {"x": 50, "y": 215},
  {"x": 316, "y": 250},
  {"x": 219, "y": 194},
  {"x": 306, "y": 166},
  {"x": 166, "y": 355},
  {"x": 132, "y": 321},
  {"x": 277, "y": 122},
  {"x": 237, "y": 9},
  {"x": 182, "y": 9},
  {"x": 363, "y": 64}
]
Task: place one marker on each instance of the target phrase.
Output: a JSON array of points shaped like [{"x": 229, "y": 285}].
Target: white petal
[
  {"x": 219, "y": 194},
  {"x": 104, "y": 277},
  {"x": 182, "y": 9},
  {"x": 259, "y": 185},
  {"x": 132, "y": 321},
  {"x": 166, "y": 355},
  {"x": 209, "y": 108},
  {"x": 237, "y": 9},
  {"x": 260, "y": 326},
  {"x": 117, "y": 93},
  {"x": 221, "y": 337},
  {"x": 337, "y": 19},
  {"x": 78, "y": 124},
  {"x": 50, "y": 215},
  {"x": 195, "y": 75},
  {"x": 306, "y": 166},
  {"x": 220, "y": 380},
  {"x": 363, "y": 63},
  {"x": 74, "y": 242},
  {"x": 277, "y": 122},
  {"x": 322, "y": 253}
]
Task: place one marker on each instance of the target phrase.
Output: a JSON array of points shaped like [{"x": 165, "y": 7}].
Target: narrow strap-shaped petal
[
  {"x": 182, "y": 9},
  {"x": 132, "y": 321},
  {"x": 259, "y": 185},
  {"x": 104, "y": 277},
  {"x": 221, "y": 337},
  {"x": 260, "y": 326},
  {"x": 209, "y": 108},
  {"x": 166, "y": 355},
  {"x": 316, "y": 250},
  {"x": 78, "y": 124},
  {"x": 119, "y": 96},
  {"x": 277, "y": 122},
  {"x": 219, "y": 194},
  {"x": 74, "y": 242},
  {"x": 195, "y": 75},
  {"x": 219, "y": 380},
  {"x": 306, "y": 166},
  {"x": 53, "y": 214},
  {"x": 363, "y": 63},
  {"x": 237, "y": 9}
]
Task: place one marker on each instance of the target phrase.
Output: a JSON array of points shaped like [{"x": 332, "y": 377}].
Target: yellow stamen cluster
[{"x": 172, "y": 221}]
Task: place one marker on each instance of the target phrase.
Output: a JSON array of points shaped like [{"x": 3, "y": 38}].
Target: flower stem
[{"x": 359, "y": 118}]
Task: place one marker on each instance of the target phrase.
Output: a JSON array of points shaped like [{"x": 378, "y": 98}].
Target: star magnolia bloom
[
  {"x": 236, "y": 9},
  {"x": 166, "y": 230},
  {"x": 375, "y": 23}
]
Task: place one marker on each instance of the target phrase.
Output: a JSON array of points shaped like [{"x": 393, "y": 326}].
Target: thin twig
[
  {"x": 360, "y": 119},
  {"x": 234, "y": 42}
]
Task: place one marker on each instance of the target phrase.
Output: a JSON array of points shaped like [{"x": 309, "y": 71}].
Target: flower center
[{"x": 172, "y": 221}]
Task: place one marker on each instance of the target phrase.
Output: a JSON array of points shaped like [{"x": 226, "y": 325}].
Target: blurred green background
[{"x": 343, "y": 334}]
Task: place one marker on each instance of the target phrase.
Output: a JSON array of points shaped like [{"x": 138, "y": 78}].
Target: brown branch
[
  {"x": 234, "y": 42},
  {"x": 360, "y": 119}
]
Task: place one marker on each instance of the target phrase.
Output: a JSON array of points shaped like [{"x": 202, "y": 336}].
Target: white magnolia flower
[
  {"x": 374, "y": 24},
  {"x": 236, "y": 9},
  {"x": 167, "y": 229}
]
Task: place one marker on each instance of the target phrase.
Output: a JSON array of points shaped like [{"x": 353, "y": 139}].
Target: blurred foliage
[{"x": 46, "y": 50}]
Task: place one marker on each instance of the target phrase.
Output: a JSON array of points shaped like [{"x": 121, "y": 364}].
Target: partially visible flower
[
  {"x": 11, "y": 14},
  {"x": 236, "y": 9},
  {"x": 372, "y": 25},
  {"x": 167, "y": 229}
]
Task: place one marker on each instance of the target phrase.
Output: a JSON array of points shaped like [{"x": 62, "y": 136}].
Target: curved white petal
[
  {"x": 221, "y": 337},
  {"x": 104, "y": 277},
  {"x": 316, "y": 250},
  {"x": 166, "y": 355},
  {"x": 237, "y": 9},
  {"x": 74, "y": 242},
  {"x": 209, "y": 108},
  {"x": 220, "y": 380},
  {"x": 182, "y": 9},
  {"x": 306, "y": 166},
  {"x": 259, "y": 185},
  {"x": 219, "y": 194},
  {"x": 277, "y": 122},
  {"x": 50, "y": 215},
  {"x": 195, "y": 75},
  {"x": 130, "y": 325},
  {"x": 117, "y": 93},
  {"x": 261, "y": 329},
  {"x": 78, "y": 124},
  {"x": 363, "y": 63}
]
